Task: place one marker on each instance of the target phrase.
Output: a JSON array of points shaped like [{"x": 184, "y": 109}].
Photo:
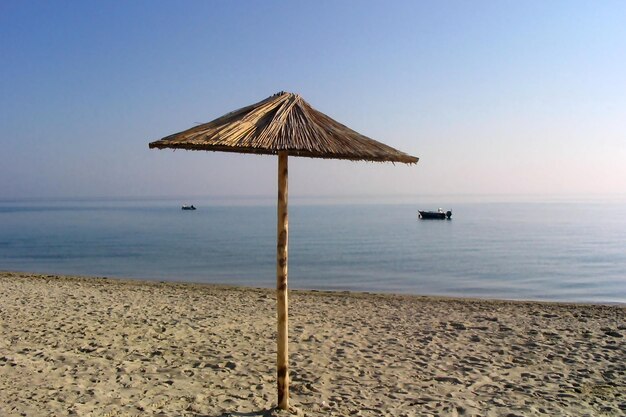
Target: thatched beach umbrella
[{"x": 283, "y": 124}]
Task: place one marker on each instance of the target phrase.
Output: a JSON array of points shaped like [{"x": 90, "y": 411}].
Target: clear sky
[{"x": 498, "y": 97}]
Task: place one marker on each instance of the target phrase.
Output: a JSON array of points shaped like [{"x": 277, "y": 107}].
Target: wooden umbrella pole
[{"x": 282, "y": 364}]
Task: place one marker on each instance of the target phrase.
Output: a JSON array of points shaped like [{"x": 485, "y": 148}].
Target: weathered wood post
[{"x": 282, "y": 363}]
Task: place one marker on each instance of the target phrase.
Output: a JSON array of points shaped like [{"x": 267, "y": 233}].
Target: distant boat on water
[
  {"x": 188, "y": 207},
  {"x": 439, "y": 214}
]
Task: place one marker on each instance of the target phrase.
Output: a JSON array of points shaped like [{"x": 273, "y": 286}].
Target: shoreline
[
  {"x": 89, "y": 346},
  {"x": 305, "y": 290}
]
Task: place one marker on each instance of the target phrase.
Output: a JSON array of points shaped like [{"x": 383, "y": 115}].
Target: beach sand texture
[{"x": 104, "y": 347}]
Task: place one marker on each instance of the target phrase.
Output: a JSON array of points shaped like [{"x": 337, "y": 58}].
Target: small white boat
[{"x": 188, "y": 207}]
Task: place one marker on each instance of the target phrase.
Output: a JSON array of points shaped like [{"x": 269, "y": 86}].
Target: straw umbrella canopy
[{"x": 284, "y": 125}]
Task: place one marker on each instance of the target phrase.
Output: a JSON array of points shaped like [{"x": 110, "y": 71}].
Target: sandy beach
[{"x": 106, "y": 347}]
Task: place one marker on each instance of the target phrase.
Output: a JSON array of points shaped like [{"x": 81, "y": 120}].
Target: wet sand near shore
[{"x": 87, "y": 346}]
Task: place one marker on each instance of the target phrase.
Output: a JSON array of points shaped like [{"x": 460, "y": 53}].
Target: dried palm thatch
[{"x": 283, "y": 122}]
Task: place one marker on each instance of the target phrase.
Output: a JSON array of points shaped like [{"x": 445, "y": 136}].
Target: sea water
[{"x": 533, "y": 250}]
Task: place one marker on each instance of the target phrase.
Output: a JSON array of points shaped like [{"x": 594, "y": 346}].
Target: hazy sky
[{"x": 499, "y": 97}]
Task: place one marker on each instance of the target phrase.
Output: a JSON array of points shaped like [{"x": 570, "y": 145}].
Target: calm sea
[{"x": 559, "y": 250}]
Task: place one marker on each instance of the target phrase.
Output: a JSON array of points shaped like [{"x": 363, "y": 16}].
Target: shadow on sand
[{"x": 261, "y": 413}]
